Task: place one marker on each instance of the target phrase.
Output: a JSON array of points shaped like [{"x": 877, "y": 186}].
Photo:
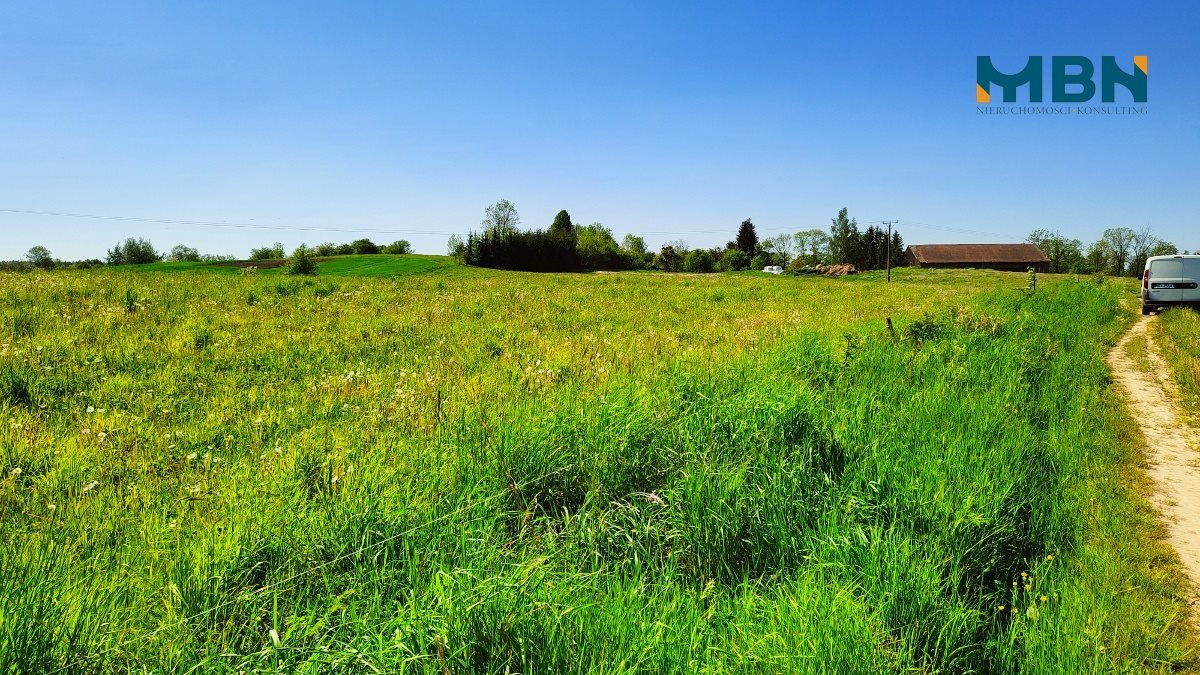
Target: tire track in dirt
[{"x": 1173, "y": 463}]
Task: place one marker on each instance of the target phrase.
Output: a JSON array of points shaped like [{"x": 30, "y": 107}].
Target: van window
[
  {"x": 1191, "y": 269},
  {"x": 1166, "y": 269}
]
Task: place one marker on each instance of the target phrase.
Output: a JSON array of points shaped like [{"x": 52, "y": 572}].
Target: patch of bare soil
[{"x": 1173, "y": 463}]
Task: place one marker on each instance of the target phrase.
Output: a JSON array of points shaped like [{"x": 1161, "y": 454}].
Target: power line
[
  {"x": 304, "y": 228},
  {"x": 962, "y": 230},
  {"x": 367, "y": 230},
  {"x": 208, "y": 223}
]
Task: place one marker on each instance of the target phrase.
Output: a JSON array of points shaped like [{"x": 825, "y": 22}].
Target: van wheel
[{"x": 1145, "y": 310}]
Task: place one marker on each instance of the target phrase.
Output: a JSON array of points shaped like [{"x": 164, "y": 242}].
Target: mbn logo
[{"x": 1066, "y": 72}]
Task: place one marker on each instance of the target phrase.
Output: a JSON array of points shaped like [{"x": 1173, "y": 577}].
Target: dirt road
[{"x": 1174, "y": 462}]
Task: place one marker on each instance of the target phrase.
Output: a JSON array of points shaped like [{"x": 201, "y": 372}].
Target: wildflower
[
  {"x": 1042, "y": 598},
  {"x": 1000, "y": 608},
  {"x": 91, "y": 409},
  {"x": 15, "y": 472}
]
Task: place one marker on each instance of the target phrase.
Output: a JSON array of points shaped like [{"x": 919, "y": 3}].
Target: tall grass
[
  {"x": 498, "y": 472},
  {"x": 1177, "y": 333}
]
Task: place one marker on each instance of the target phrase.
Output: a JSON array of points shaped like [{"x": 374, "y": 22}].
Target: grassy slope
[{"x": 566, "y": 472}]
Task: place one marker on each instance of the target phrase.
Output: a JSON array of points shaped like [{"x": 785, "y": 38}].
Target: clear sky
[{"x": 675, "y": 121}]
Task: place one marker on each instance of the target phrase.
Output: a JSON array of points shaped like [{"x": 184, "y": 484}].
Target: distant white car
[
  {"x": 1170, "y": 280},
  {"x": 773, "y": 269}
]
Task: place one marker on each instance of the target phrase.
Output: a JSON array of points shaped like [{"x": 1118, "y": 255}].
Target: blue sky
[{"x": 675, "y": 121}]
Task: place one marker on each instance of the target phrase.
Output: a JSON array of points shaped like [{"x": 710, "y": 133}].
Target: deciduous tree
[
  {"x": 39, "y": 256},
  {"x": 1119, "y": 241}
]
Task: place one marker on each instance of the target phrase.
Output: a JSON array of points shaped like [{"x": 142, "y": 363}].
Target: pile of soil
[{"x": 837, "y": 270}]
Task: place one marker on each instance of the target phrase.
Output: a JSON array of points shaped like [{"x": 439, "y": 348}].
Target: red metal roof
[{"x": 977, "y": 253}]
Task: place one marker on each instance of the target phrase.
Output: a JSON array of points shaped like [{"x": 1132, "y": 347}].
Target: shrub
[
  {"x": 398, "y": 248},
  {"x": 698, "y": 260},
  {"x": 325, "y": 250},
  {"x": 268, "y": 252},
  {"x": 300, "y": 262},
  {"x": 133, "y": 252},
  {"x": 734, "y": 260},
  {"x": 364, "y": 247},
  {"x": 183, "y": 253},
  {"x": 597, "y": 249},
  {"x": 456, "y": 248},
  {"x": 669, "y": 259}
]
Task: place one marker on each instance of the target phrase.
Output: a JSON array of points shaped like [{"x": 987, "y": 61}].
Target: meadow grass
[
  {"x": 1177, "y": 333},
  {"x": 377, "y": 265},
  {"x": 502, "y": 472}
]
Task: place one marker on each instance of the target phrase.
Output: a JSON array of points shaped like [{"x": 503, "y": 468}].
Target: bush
[
  {"x": 734, "y": 260},
  {"x": 133, "y": 252},
  {"x": 597, "y": 249},
  {"x": 669, "y": 259},
  {"x": 268, "y": 252},
  {"x": 364, "y": 247},
  {"x": 325, "y": 250},
  {"x": 183, "y": 253},
  {"x": 300, "y": 262},
  {"x": 456, "y": 248},
  {"x": 760, "y": 261},
  {"x": 698, "y": 260},
  {"x": 398, "y": 248}
]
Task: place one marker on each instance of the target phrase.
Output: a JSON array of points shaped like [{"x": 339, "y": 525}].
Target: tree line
[
  {"x": 138, "y": 251},
  {"x": 566, "y": 247},
  {"x": 1119, "y": 251},
  {"x": 330, "y": 249}
]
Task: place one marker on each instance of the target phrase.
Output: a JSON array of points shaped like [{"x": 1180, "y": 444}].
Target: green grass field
[
  {"x": 380, "y": 265},
  {"x": 477, "y": 471},
  {"x": 1177, "y": 333}
]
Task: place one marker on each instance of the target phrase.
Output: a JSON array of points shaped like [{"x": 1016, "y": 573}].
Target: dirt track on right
[{"x": 1174, "y": 464}]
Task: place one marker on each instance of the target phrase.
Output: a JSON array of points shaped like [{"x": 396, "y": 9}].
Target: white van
[{"x": 1170, "y": 280}]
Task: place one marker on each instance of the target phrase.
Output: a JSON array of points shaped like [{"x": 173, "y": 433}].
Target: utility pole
[{"x": 889, "y": 249}]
